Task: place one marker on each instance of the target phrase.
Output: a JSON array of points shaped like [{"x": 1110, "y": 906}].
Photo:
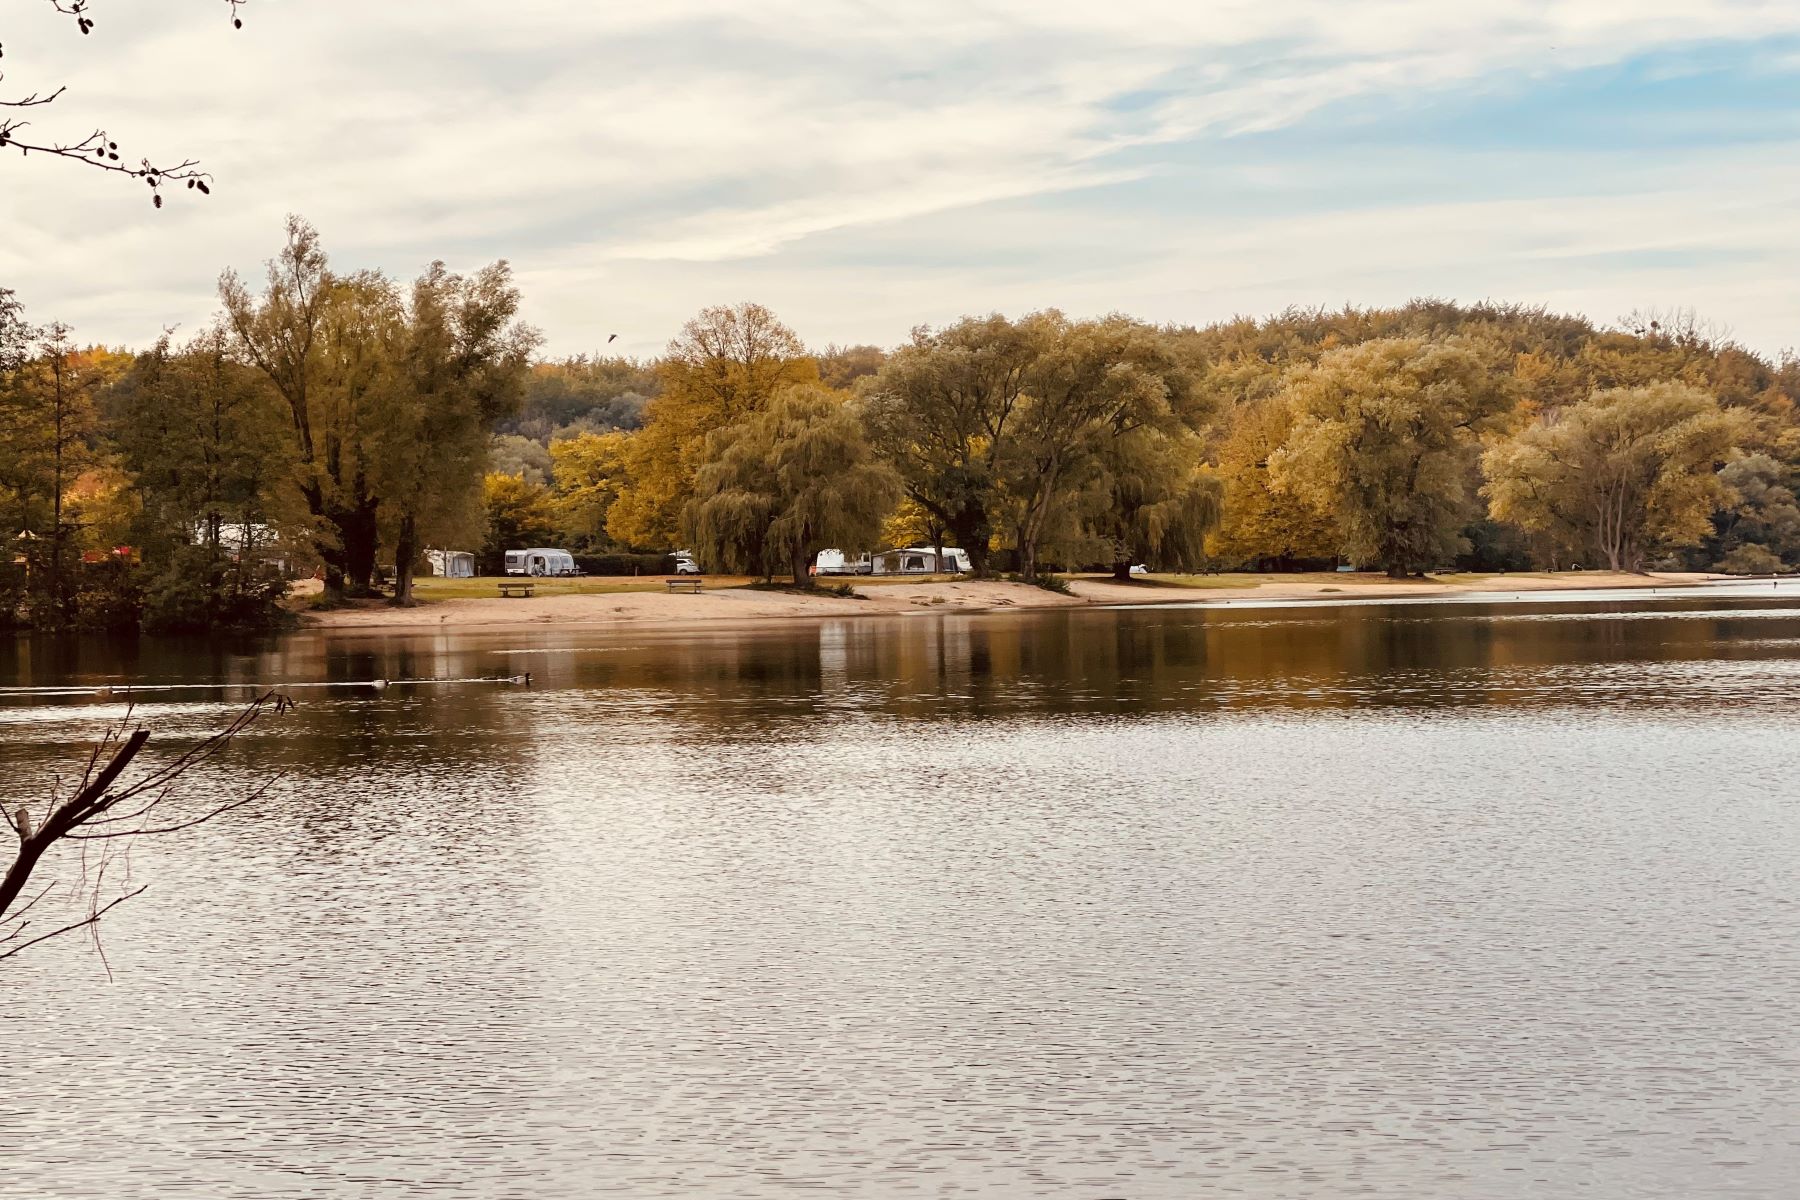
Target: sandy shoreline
[{"x": 730, "y": 605}]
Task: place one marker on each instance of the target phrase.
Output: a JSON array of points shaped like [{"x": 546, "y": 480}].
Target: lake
[{"x": 1407, "y": 900}]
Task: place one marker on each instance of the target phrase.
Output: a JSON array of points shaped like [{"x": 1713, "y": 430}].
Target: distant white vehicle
[
  {"x": 1139, "y": 569},
  {"x": 540, "y": 560},
  {"x": 685, "y": 563}
]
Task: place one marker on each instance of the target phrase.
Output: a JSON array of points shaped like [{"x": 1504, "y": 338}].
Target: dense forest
[{"x": 341, "y": 423}]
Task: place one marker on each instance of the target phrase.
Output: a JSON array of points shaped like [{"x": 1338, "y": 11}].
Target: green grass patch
[{"x": 432, "y": 588}]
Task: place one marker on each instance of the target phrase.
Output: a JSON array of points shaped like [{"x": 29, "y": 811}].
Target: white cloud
[{"x": 638, "y": 161}]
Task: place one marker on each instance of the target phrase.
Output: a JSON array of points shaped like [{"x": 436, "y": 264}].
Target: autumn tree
[
  {"x": 794, "y": 478},
  {"x": 49, "y": 427},
  {"x": 520, "y": 515},
  {"x": 1261, "y": 525},
  {"x": 1619, "y": 475},
  {"x": 841, "y": 366},
  {"x": 590, "y": 476},
  {"x": 1384, "y": 437},
  {"x": 727, "y": 364},
  {"x": 943, "y": 413}
]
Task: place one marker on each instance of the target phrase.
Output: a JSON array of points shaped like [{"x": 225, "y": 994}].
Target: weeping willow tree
[
  {"x": 1151, "y": 502},
  {"x": 784, "y": 483}
]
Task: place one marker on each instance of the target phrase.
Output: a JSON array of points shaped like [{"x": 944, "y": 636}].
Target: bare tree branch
[
  {"x": 93, "y": 918},
  {"x": 98, "y": 149},
  {"x": 104, "y": 808}
]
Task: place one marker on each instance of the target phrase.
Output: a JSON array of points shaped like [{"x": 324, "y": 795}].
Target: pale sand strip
[{"x": 731, "y": 605}]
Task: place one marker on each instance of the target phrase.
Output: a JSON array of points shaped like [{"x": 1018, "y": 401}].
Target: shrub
[
  {"x": 1750, "y": 559},
  {"x": 109, "y": 596},
  {"x": 196, "y": 591},
  {"x": 1050, "y": 583},
  {"x": 626, "y": 564}
]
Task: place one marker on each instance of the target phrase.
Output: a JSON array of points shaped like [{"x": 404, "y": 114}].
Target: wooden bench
[
  {"x": 692, "y": 583},
  {"x": 510, "y": 587}
]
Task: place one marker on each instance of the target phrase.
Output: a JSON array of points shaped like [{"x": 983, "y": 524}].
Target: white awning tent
[{"x": 451, "y": 564}]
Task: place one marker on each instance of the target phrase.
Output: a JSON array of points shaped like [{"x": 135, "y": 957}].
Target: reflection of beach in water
[{"x": 1611, "y": 595}]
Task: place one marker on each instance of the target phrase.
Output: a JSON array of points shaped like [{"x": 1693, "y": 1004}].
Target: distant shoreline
[{"x": 648, "y": 604}]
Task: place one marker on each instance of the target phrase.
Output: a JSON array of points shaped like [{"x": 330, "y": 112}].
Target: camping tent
[{"x": 451, "y": 564}]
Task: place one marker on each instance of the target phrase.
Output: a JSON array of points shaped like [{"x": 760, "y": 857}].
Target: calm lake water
[{"x": 1403, "y": 900}]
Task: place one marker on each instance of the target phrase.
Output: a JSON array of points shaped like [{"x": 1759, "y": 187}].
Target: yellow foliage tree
[
  {"x": 1384, "y": 435},
  {"x": 1621, "y": 473},
  {"x": 727, "y": 364},
  {"x": 1260, "y": 525},
  {"x": 590, "y": 475}
]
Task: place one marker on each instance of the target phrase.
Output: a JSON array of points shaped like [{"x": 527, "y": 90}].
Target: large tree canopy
[
  {"x": 727, "y": 364},
  {"x": 784, "y": 483},
  {"x": 1620, "y": 474},
  {"x": 1384, "y": 438}
]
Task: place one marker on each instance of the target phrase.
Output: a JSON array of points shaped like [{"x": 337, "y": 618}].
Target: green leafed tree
[
  {"x": 1150, "y": 502},
  {"x": 459, "y": 365},
  {"x": 1384, "y": 438},
  {"x": 793, "y": 479},
  {"x": 391, "y": 397},
  {"x": 1759, "y": 514},
  {"x": 943, "y": 412},
  {"x": 1620, "y": 475},
  {"x": 203, "y": 438},
  {"x": 1090, "y": 384},
  {"x": 302, "y": 334}
]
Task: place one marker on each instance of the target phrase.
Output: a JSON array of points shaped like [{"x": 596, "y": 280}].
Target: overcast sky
[{"x": 866, "y": 167}]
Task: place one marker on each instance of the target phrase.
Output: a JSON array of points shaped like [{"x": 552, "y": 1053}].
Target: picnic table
[
  {"x": 517, "y": 587},
  {"x": 692, "y": 583}
]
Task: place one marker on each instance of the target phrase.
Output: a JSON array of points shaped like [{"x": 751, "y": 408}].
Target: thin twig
[{"x": 90, "y": 919}]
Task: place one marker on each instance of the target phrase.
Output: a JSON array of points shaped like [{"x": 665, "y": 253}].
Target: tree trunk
[
  {"x": 798, "y": 561},
  {"x": 1121, "y": 571},
  {"x": 406, "y": 551},
  {"x": 361, "y": 541},
  {"x": 972, "y": 534}
]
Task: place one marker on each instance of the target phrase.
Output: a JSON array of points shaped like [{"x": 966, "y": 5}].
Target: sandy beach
[{"x": 649, "y": 603}]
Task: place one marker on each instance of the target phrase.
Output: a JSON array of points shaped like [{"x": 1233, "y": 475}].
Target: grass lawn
[{"x": 430, "y": 588}]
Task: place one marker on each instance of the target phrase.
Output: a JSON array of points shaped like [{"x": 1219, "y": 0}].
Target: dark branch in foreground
[
  {"x": 105, "y": 810},
  {"x": 97, "y": 149}
]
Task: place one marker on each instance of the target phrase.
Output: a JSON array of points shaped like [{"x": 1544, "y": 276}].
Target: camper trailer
[
  {"x": 540, "y": 561},
  {"x": 915, "y": 560}
]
